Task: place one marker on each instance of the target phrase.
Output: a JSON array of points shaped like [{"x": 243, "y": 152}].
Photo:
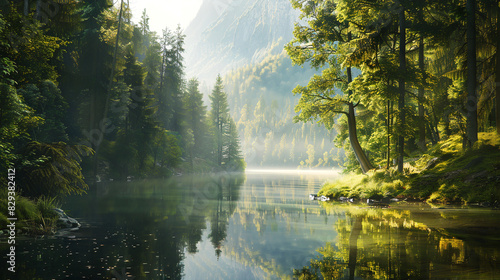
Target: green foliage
[
  {"x": 52, "y": 169},
  {"x": 167, "y": 151},
  {"x": 48, "y": 104},
  {"x": 35, "y": 216},
  {"x": 455, "y": 176},
  {"x": 196, "y": 119}
]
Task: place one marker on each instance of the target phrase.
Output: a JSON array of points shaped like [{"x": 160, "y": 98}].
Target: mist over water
[{"x": 273, "y": 170}]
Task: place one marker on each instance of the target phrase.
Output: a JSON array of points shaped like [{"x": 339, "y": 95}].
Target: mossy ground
[{"x": 456, "y": 176}]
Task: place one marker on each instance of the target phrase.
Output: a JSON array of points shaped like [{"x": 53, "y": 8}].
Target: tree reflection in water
[
  {"x": 140, "y": 230},
  {"x": 396, "y": 244}
]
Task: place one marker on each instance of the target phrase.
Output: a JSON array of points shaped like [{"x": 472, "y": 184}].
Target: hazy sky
[{"x": 164, "y": 13}]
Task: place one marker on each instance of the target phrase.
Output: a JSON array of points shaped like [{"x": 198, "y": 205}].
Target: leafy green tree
[
  {"x": 48, "y": 104},
  {"x": 52, "y": 169},
  {"x": 318, "y": 45},
  {"x": 32, "y": 51},
  {"x": 15, "y": 120},
  {"x": 310, "y": 156}
]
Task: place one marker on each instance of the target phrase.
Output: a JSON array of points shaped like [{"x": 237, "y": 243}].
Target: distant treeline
[{"x": 263, "y": 108}]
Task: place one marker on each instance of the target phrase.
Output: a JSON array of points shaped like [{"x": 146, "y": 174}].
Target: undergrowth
[
  {"x": 454, "y": 176},
  {"x": 34, "y": 217}
]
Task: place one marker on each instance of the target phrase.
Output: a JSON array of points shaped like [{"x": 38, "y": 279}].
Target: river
[{"x": 257, "y": 225}]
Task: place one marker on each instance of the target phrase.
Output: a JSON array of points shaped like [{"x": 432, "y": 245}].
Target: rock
[
  {"x": 65, "y": 221},
  {"x": 376, "y": 203},
  {"x": 431, "y": 163},
  {"x": 324, "y": 198},
  {"x": 385, "y": 200},
  {"x": 473, "y": 163},
  {"x": 474, "y": 177},
  {"x": 452, "y": 175}
]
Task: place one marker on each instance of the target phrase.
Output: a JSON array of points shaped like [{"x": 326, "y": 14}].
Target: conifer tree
[{"x": 219, "y": 115}]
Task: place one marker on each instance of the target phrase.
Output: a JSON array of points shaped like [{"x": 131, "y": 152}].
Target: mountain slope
[{"x": 228, "y": 34}]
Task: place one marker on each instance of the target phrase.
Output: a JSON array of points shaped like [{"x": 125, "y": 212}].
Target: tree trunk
[
  {"x": 108, "y": 93},
  {"x": 421, "y": 91},
  {"x": 471, "y": 104},
  {"x": 497, "y": 74},
  {"x": 402, "y": 70},
  {"x": 388, "y": 134},
  {"x": 353, "y": 135},
  {"x": 26, "y": 7},
  {"x": 38, "y": 7},
  {"x": 353, "y": 138},
  {"x": 353, "y": 246}
]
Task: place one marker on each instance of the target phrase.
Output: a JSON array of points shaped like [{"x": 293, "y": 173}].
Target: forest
[
  {"x": 261, "y": 94},
  {"x": 88, "y": 96},
  {"x": 312, "y": 139}
]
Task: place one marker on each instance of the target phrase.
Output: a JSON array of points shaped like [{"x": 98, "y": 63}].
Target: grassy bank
[
  {"x": 33, "y": 217},
  {"x": 442, "y": 174}
]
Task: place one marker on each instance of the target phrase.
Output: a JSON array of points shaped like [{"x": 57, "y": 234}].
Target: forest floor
[{"x": 443, "y": 174}]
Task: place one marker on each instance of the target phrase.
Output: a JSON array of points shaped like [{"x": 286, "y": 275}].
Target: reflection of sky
[
  {"x": 274, "y": 229},
  {"x": 204, "y": 264}
]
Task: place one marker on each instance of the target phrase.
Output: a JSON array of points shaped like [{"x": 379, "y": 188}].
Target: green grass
[
  {"x": 35, "y": 217},
  {"x": 459, "y": 176},
  {"x": 375, "y": 185}
]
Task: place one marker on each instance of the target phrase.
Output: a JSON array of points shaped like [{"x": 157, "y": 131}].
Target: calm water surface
[{"x": 260, "y": 225}]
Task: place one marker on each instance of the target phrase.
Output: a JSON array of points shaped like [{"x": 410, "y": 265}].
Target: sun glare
[{"x": 167, "y": 13}]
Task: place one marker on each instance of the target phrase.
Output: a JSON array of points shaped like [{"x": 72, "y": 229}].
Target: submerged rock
[{"x": 65, "y": 221}]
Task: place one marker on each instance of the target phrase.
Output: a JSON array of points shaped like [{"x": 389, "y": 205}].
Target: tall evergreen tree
[
  {"x": 196, "y": 114},
  {"x": 219, "y": 115}
]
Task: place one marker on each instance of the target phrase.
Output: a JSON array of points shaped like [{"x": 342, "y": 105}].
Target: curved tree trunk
[
  {"x": 363, "y": 160},
  {"x": 353, "y": 135},
  {"x": 353, "y": 139}
]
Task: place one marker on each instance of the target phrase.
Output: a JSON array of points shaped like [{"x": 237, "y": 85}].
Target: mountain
[{"x": 227, "y": 34}]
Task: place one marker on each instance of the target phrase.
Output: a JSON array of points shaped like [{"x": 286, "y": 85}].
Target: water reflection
[
  {"x": 258, "y": 226},
  {"x": 141, "y": 230},
  {"x": 399, "y": 244}
]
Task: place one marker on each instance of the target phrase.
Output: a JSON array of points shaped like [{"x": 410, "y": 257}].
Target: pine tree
[
  {"x": 196, "y": 113},
  {"x": 219, "y": 115},
  {"x": 234, "y": 159}
]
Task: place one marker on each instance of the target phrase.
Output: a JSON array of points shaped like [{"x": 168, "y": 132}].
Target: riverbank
[
  {"x": 34, "y": 217},
  {"x": 443, "y": 174}
]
